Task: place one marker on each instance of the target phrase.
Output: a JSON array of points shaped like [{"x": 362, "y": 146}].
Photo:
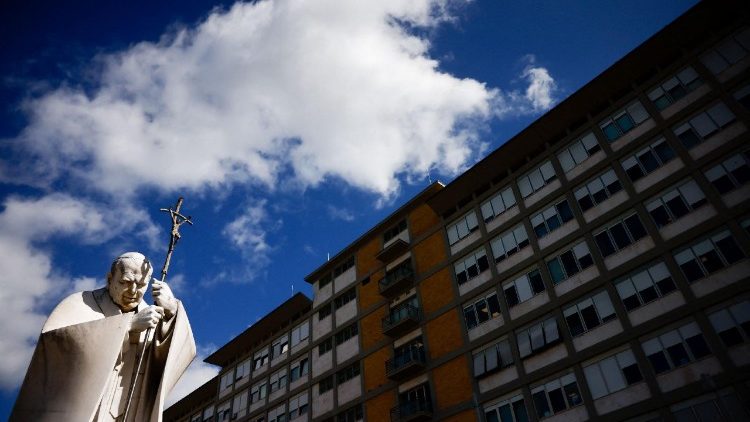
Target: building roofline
[
  {"x": 566, "y": 118},
  {"x": 422, "y": 196},
  {"x": 265, "y": 326},
  {"x": 200, "y": 395}
]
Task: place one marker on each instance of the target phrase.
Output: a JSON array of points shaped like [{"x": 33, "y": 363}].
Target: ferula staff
[{"x": 177, "y": 221}]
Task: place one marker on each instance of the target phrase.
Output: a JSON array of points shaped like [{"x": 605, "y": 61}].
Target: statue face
[{"x": 128, "y": 284}]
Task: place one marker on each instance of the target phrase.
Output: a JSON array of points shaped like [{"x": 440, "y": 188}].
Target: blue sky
[{"x": 290, "y": 128}]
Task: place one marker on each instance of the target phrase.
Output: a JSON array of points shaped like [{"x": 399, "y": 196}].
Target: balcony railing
[
  {"x": 406, "y": 363},
  {"x": 415, "y": 410},
  {"x": 401, "y": 319},
  {"x": 396, "y": 280}
]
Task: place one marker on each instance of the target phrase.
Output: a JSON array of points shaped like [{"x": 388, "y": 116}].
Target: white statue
[{"x": 84, "y": 363}]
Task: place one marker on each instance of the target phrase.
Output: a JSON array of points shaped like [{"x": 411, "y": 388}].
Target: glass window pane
[
  {"x": 548, "y": 172},
  {"x": 595, "y": 381},
  {"x": 637, "y": 112},
  {"x": 508, "y": 198},
  {"x": 612, "y": 374},
  {"x": 721, "y": 114},
  {"x": 703, "y": 125}
]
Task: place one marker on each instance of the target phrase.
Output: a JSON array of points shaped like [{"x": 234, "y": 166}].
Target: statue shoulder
[{"x": 74, "y": 309}]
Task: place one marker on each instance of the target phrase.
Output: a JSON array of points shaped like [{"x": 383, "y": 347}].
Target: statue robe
[{"x": 84, "y": 359}]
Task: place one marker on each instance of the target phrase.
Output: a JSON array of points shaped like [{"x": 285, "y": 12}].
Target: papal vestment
[{"x": 84, "y": 363}]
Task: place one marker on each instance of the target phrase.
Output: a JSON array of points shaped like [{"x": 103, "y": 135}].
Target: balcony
[
  {"x": 393, "y": 250},
  {"x": 416, "y": 410},
  {"x": 401, "y": 319},
  {"x": 408, "y": 362},
  {"x": 397, "y": 280}
]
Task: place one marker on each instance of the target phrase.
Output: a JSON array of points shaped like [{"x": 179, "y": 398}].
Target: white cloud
[
  {"x": 324, "y": 89},
  {"x": 29, "y": 278},
  {"x": 540, "y": 89},
  {"x": 197, "y": 374},
  {"x": 248, "y": 233},
  {"x": 342, "y": 214}
]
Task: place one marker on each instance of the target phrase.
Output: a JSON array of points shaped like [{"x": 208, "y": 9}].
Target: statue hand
[
  {"x": 163, "y": 297},
  {"x": 147, "y": 318}
]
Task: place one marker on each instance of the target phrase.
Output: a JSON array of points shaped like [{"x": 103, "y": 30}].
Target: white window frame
[
  {"x": 471, "y": 262},
  {"x": 545, "y": 216},
  {"x": 603, "y": 308},
  {"x": 492, "y": 358},
  {"x": 578, "y": 151},
  {"x": 606, "y": 182},
  {"x": 534, "y": 180},
  {"x": 704, "y": 125},
  {"x": 552, "y": 385},
  {"x": 653, "y": 278},
  {"x": 579, "y": 251},
  {"x": 687, "y": 79},
  {"x": 511, "y": 241},
  {"x": 607, "y": 375},
  {"x": 636, "y": 113},
  {"x": 462, "y": 227},
  {"x": 636, "y": 160},
  {"x": 548, "y": 329},
  {"x": 502, "y": 201}
]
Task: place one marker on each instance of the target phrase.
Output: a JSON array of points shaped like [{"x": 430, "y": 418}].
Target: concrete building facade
[{"x": 594, "y": 267}]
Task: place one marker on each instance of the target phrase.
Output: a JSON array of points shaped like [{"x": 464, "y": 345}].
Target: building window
[
  {"x": 728, "y": 52},
  {"x": 326, "y": 384},
  {"x": 536, "y": 179},
  {"x": 324, "y": 281},
  {"x": 345, "y": 298},
  {"x": 239, "y": 405},
  {"x": 538, "y": 337},
  {"x": 353, "y": 414},
  {"x": 498, "y": 204},
  {"x": 510, "y": 410},
  {"x": 620, "y": 235},
  {"x": 551, "y": 218},
  {"x": 676, "y": 348},
  {"x": 260, "y": 358},
  {"x": 742, "y": 96},
  {"x": 471, "y": 266},
  {"x": 298, "y": 405},
  {"x": 325, "y": 346},
  {"x": 344, "y": 267},
  {"x": 299, "y": 369},
  {"x": 258, "y": 391},
  {"x": 612, "y": 374},
  {"x": 589, "y": 313},
  {"x": 645, "y": 286},
  {"x": 675, "y": 88},
  {"x": 198, "y": 417},
  {"x": 623, "y": 121},
  {"x": 208, "y": 413},
  {"x": 492, "y": 358},
  {"x": 731, "y": 173},
  {"x": 243, "y": 369},
  {"x": 570, "y": 262},
  {"x": 227, "y": 379},
  {"x": 509, "y": 243},
  {"x": 482, "y": 310},
  {"x": 346, "y": 334},
  {"x": 324, "y": 312},
  {"x": 523, "y": 288},
  {"x": 347, "y": 373},
  {"x": 394, "y": 231},
  {"x": 676, "y": 203},
  {"x": 462, "y": 227},
  {"x": 708, "y": 256},
  {"x": 648, "y": 159},
  {"x": 556, "y": 396},
  {"x": 578, "y": 151},
  {"x": 598, "y": 190},
  {"x": 732, "y": 324},
  {"x": 704, "y": 125},
  {"x": 278, "y": 380},
  {"x": 280, "y": 346},
  {"x": 224, "y": 411},
  {"x": 278, "y": 414},
  {"x": 300, "y": 333},
  {"x": 720, "y": 406}
]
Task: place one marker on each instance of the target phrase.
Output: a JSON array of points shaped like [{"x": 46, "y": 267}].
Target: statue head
[{"x": 128, "y": 280}]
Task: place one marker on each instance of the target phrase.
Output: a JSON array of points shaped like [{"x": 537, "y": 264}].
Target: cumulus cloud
[
  {"x": 30, "y": 280},
  {"x": 269, "y": 89},
  {"x": 197, "y": 374}
]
